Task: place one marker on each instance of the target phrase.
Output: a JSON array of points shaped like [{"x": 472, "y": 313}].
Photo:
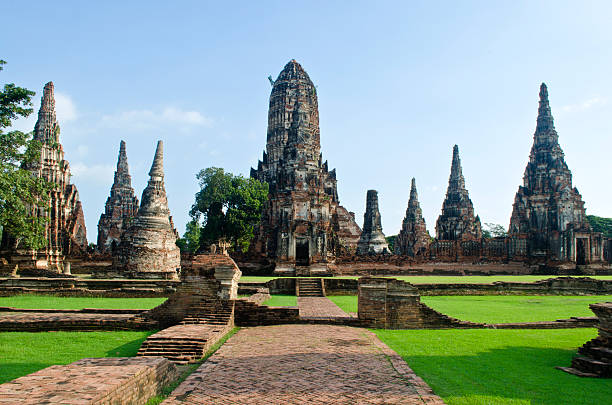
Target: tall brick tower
[
  {"x": 457, "y": 221},
  {"x": 302, "y": 220},
  {"x": 547, "y": 209}
]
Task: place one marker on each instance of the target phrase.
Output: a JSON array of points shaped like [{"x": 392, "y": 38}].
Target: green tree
[
  {"x": 190, "y": 242},
  {"x": 20, "y": 188},
  {"x": 228, "y": 207},
  {"x": 491, "y": 230},
  {"x": 601, "y": 224},
  {"x": 391, "y": 242}
]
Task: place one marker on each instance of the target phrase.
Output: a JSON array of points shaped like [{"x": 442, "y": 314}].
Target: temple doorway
[
  {"x": 302, "y": 252},
  {"x": 580, "y": 251}
]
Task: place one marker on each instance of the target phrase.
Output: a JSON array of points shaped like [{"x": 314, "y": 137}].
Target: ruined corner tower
[
  {"x": 372, "y": 239},
  {"x": 457, "y": 221},
  {"x": 413, "y": 237},
  {"x": 65, "y": 223},
  {"x": 548, "y": 211},
  {"x": 121, "y": 206},
  {"x": 148, "y": 246},
  {"x": 302, "y": 222}
]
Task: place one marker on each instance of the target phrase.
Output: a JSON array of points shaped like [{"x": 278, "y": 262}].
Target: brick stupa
[
  {"x": 413, "y": 237},
  {"x": 372, "y": 239},
  {"x": 302, "y": 222},
  {"x": 148, "y": 247},
  {"x": 65, "y": 223},
  {"x": 547, "y": 209},
  {"x": 457, "y": 221},
  {"x": 121, "y": 206}
]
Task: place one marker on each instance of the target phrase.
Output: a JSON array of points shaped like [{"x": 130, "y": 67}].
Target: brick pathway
[
  {"x": 303, "y": 364},
  {"x": 319, "y": 307}
]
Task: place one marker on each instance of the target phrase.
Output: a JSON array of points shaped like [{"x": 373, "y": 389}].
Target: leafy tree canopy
[
  {"x": 19, "y": 188},
  {"x": 491, "y": 230},
  {"x": 190, "y": 242},
  {"x": 391, "y": 242},
  {"x": 228, "y": 207},
  {"x": 600, "y": 224}
]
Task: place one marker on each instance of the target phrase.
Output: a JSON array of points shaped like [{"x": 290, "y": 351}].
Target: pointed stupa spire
[
  {"x": 47, "y": 129},
  {"x": 545, "y": 118},
  {"x": 122, "y": 163},
  {"x": 157, "y": 168},
  {"x": 456, "y": 180},
  {"x": 413, "y": 191}
]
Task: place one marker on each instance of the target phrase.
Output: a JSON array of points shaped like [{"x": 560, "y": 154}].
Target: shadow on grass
[
  {"x": 128, "y": 349},
  {"x": 10, "y": 371},
  {"x": 512, "y": 374}
]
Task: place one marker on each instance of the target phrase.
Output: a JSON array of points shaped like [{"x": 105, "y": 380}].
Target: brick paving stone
[
  {"x": 298, "y": 364},
  {"x": 41, "y": 321},
  {"x": 319, "y": 307}
]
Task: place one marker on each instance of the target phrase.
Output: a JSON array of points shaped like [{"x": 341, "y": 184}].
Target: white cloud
[
  {"x": 96, "y": 174},
  {"x": 585, "y": 105},
  {"x": 140, "y": 120},
  {"x": 64, "y": 108}
]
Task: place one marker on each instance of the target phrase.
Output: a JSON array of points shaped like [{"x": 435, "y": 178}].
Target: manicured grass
[
  {"x": 514, "y": 308},
  {"x": 500, "y": 308},
  {"x": 347, "y": 303},
  {"x": 282, "y": 301},
  {"x": 22, "y": 353},
  {"x": 499, "y": 366},
  {"x": 443, "y": 279},
  {"x": 54, "y": 302}
]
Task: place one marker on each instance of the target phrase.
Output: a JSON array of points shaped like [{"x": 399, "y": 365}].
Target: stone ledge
[{"x": 120, "y": 380}]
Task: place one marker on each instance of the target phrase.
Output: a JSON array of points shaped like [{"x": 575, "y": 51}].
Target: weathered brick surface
[
  {"x": 122, "y": 380},
  {"x": 595, "y": 356},
  {"x": 37, "y": 322},
  {"x": 297, "y": 364}
]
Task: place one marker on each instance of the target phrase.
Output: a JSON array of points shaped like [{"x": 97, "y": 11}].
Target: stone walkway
[
  {"x": 303, "y": 364},
  {"x": 319, "y": 308}
]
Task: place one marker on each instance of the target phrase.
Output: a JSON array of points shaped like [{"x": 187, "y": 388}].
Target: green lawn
[
  {"x": 282, "y": 301},
  {"x": 22, "y": 353},
  {"x": 443, "y": 279},
  {"x": 499, "y": 366},
  {"x": 55, "y": 302},
  {"x": 500, "y": 308},
  {"x": 514, "y": 308}
]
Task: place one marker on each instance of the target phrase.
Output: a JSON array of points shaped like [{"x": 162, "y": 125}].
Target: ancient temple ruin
[
  {"x": 302, "y": 222},
  {"x": 413, "y": 237},
  {"x": 372, "y": 240},
  {"x": 121, "y": 206},
  {"x": 148, "y": 246},
  {"x": 457, "y": 221},
  {"x": 65, "y": 225},
  {"x": 548, "y": 211}
]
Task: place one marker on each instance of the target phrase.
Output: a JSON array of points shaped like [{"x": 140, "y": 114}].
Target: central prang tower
[{"x": 302, "y": 219}]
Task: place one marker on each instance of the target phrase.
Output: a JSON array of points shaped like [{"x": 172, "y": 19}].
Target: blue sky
[{"x": 398, "y": 83}]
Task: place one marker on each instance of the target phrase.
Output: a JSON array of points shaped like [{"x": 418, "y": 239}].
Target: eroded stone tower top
[
  {"x": 154, "y": 200},
  {"x": 47, "y": 129}
]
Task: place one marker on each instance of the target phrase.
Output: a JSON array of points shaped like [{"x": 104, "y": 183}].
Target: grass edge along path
[
  {"x": 36, "y": 301},
  {"x": 530, "y": 278},
  {"x": 189, "y": 369},
  {"x": 488, "y": 366},
  {"x": 500, "y": 308},
  {"x": 23, "y": 353}
]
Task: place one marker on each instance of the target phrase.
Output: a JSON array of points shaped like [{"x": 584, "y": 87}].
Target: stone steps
[
  {"x": 589, "y": 365},
  {"x": 310, "y": 287}
]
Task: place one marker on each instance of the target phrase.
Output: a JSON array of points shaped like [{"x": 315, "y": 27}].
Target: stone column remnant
[
  {"x": 148, "y": 247},
  {"x": 372, "y": 238},
  {"x": 121, "y": 206},
  {"x": 457, "y": 221},
  {"x": 413, "y": 236}
]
